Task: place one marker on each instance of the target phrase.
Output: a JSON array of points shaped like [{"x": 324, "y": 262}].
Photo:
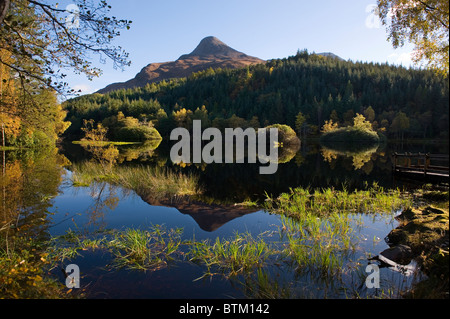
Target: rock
[
  {"x": 396, "y": 236},
  {"x": 406, "y": 215},
  {"x": 400, "y": 254}
]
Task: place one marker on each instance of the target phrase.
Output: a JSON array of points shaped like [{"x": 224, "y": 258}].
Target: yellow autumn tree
[
  {"x": 424, "y": 23},
  {"x": 183, "y": 118},
  {"x": 329, "y": 126},
  {"x": 9, "y": 121},
  {"x": 360, "y": 122}
]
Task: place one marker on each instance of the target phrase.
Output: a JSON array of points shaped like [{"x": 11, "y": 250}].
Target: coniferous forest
[{"x": 398, "y": 102}]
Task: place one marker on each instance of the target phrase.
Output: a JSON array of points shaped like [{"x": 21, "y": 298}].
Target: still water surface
[{"x": 102, "y": 206}]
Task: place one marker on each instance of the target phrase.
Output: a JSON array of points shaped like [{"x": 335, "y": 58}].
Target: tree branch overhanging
[{"x": 49, "y": 43}]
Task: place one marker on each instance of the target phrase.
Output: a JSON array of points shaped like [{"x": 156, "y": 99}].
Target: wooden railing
[{"x": 421, "y": 164}]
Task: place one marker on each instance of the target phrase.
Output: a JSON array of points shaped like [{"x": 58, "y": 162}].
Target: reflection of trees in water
[
  {"x": 105, "y": 154},
  {"x": 28, "y": 182},
  {"x": 235, "y": 183},
  {"x": 238, "y": 182},
  {"x": 109, "y": 154},
  {"x": 104, "y": 196},
  {"x": 361, "y": 159},
  {"x": 329, "y": 155},
  {"x": 287, "y": 153},
  {"x": 141, "y": 152}
]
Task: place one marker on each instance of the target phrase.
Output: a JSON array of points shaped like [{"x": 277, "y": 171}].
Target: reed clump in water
[
  {"x": 145, "y": 249},
  {"x": 230, "y": 257},
  {"x": 318, "y": 224},
  {"x": 144, "y": 180},
  {"x": 303, "y": 201}
]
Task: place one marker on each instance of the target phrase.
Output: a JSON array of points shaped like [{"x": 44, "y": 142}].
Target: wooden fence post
[{"x": 395, "y": 161}]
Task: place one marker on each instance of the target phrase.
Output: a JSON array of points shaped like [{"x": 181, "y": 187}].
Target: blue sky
[{"x": 163, "y": 30}]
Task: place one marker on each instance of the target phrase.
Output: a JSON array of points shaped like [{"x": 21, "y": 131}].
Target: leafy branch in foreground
[
  {"x": 41, "y": 38},
  {"x": 424, "y": 23}
]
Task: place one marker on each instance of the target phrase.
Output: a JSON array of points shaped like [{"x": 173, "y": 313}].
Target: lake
[{"x": 41, "y": 200}]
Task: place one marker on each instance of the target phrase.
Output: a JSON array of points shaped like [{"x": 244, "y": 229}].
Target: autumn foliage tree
[
  {"x": 39, "y": 41},
  {"x": 329, "y": 126},
  {"x": 9, "y": 121},
  {"x": 424, "y": 23},
  {"x": 22, "y": 124},
  {"x": 44, "y": 39}
]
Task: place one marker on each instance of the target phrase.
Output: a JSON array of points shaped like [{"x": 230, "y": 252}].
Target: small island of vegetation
[{"x": 360, "y": 133}]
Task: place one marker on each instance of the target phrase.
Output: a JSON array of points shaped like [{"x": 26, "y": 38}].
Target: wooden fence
[{"x": 421, "y": 164}]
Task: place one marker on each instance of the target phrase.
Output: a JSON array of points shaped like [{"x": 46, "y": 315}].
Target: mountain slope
[{"x": 210, "y": 53}]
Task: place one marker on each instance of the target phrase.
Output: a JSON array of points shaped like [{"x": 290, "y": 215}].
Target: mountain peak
[
  {"x": 212, "y": 46},
  {"x": 209, "y": 53},
  {"x": 211, "y": 40}
]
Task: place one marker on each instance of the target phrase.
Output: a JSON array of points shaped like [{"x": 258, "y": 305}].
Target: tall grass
[
  {"x": 150, "y": 249},
  {"x": 318, "y": 245},
  {"x": 325, "y": 202},
  {"x": 230, "y": 257},
  {"x": 145, "y": 250},
  {"x": 317, "y": 224},
  {"x": 154, "y": 248},
  {"x": 144, "y": 180}
]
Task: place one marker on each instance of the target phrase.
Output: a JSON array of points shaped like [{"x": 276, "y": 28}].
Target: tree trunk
[
  {"x": 3, "y": 135},
  {"x": 4, "y": 6}
]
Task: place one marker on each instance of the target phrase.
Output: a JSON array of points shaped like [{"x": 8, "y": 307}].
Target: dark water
[{"x": 39, "y": 187}]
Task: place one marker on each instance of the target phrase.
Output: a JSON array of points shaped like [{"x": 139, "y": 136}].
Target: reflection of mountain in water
[
  {"x": 209, "y": 217},
  {"x": 225, "y": 184}
]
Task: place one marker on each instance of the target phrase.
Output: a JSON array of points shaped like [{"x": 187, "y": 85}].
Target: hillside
[
  {"x": 210, "y": 53},
  {"x": 395, "y": 100}
]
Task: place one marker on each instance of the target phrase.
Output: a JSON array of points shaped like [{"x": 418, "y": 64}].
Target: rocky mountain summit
[{"x": 210, "y": 53}]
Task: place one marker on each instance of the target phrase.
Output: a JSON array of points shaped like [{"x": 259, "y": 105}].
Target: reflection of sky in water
[{"x": 130, "y": 211}]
